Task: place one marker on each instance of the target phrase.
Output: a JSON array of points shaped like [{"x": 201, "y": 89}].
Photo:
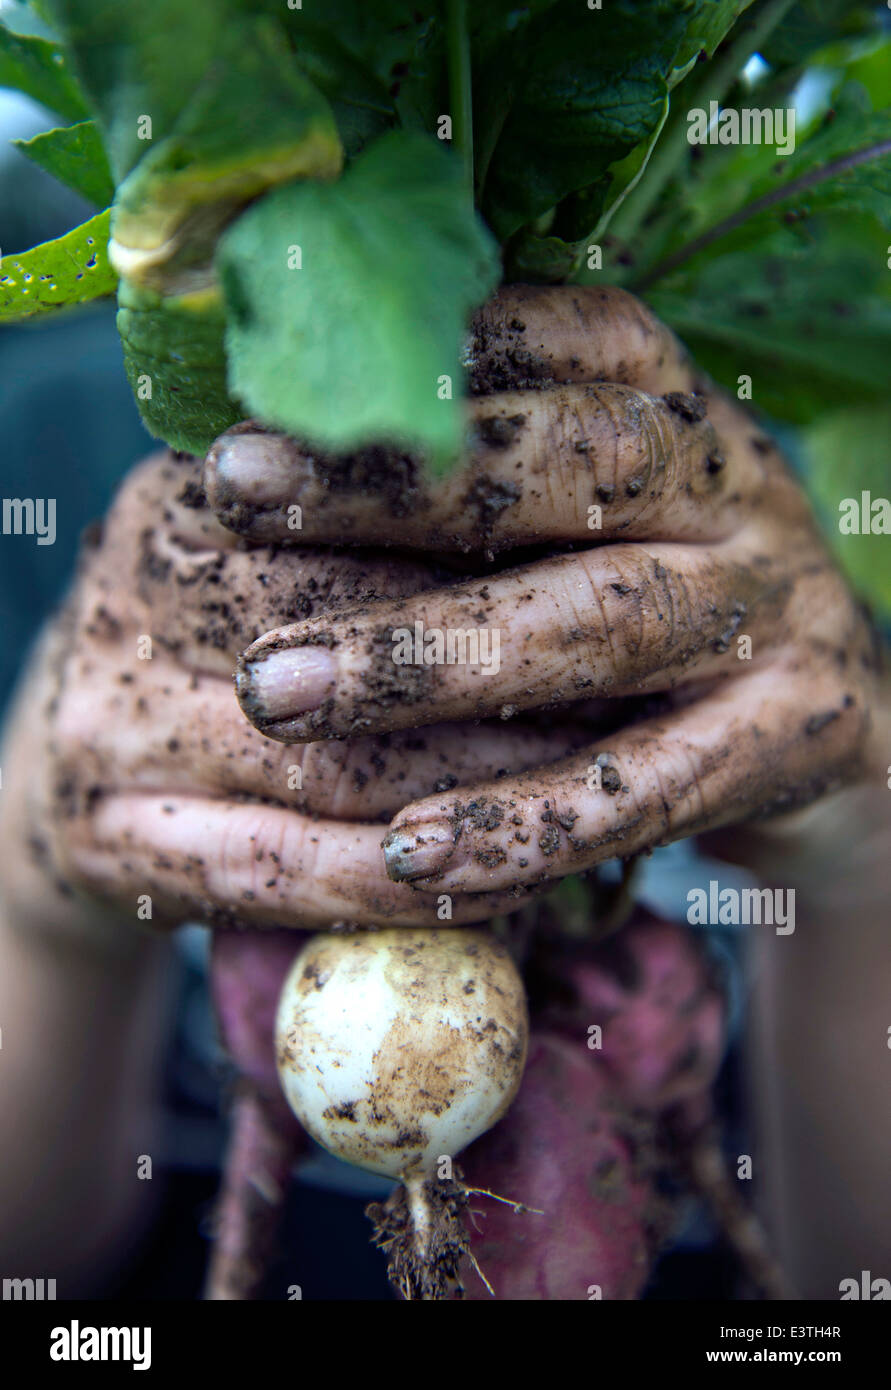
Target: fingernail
[
  {"x": 258, "y": 467},
  {"x": 418, "y": 853},
  {"x": 288, "y": 682}
]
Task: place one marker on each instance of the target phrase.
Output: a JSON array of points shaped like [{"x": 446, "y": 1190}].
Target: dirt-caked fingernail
[
  {"x": 418, "y": 852},
  {"x": 286, "y": 683}
]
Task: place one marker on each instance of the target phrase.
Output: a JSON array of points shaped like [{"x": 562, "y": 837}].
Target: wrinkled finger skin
[
  {"x": 132, "y": 776},
  {"x": 705, "y": 585}
]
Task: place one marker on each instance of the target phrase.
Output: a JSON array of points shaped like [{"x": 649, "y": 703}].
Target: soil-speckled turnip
[{"x": 395, "y": 1049}]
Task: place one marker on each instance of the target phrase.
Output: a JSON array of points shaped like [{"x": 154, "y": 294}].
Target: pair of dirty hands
[{"x": 628, "y": 709}]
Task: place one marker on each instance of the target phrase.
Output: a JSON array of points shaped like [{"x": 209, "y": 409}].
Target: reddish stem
[{"x": 259, "y": 1159}]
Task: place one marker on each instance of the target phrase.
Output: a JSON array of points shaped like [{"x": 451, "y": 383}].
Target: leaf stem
[
  {"x": 716, "y": 81},
  {"x": 460, "y": 86},
  {"x": 768, "y": 200}
]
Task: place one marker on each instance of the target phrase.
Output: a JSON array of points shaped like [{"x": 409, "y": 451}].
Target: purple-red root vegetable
[{"x": 262, "y": 1148}]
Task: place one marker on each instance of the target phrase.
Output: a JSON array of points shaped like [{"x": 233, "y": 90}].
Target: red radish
[
  {"x": 247, "y": 972},
  {"x": 583, "y": 1139},
  {"x": 562, "y": 1148}
]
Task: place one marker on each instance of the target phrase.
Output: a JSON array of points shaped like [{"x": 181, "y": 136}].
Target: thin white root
[
  {"x": 519, "y": 1207},
  {"x": 473, "y": 1260}
]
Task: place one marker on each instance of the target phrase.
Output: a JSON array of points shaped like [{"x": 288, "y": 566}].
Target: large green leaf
[
  {"x": 70, "y": 270},
  {"x": 253, "y": 121},
  {"x": 175, "y": 361},
  {"x": 139, "y": 60},
  {"x": 587, "y": 115},
  {"x": 40, "y": 70},
  {"x": 844, "y": 164},
  {"x": 583, "y": 89},
  {"x": 707, "y": 28},
  {"x": 872, "y": 70},
  {"x": 75, "y": 155},
  {"x": 709, "y": 25},
  {"x": 372, "y": 59},
  {"x": 203, "y": 107},
  {"x": 847, "y": 455},
  {"x": 359, "y": 99},
  {"x": 354, "y": 346}
]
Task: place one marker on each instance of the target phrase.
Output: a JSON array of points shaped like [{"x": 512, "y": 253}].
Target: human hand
[
  {"x": 705, "y": 586},
  {"x": 131, "y": 776}
]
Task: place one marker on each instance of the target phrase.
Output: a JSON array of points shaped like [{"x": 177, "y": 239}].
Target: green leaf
[
  {"x": 846, "y": 164},
  {"x": 399, "y": 42},
  {"x": 40, "y": 70},
  {"x": 812, "y": 25},
  {"x": 545, "y": 260},
  {"x": 253, "y": 121},
  {"x": 626, "y": 174},
  {"x": 175, "y": 361},
  {"x": 872, "y": 70},
  {"x": 75, "y": 155},
  {"x": 808, "y": 318},
  {"x": 359, "y": 99},
  {"x": 847, "y": 455},
  {"x": 585, "y": 88},
  {"x": 70, "y": 270},
  {"x": 136, "y": 60},
  {"x": 709, "y": 25},
  {"x": 373, "y": 62},
  {"x": 667, "y": 150},
  {"x": 376, "y": 63},
  {"x": 203, "y": 106},
  {"x": 353, "y": 347}
]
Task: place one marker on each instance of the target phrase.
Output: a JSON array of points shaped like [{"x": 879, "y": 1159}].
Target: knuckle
[{"x": 633, "y": 447}]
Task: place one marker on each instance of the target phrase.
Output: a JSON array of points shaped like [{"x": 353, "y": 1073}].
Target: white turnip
[{"x": 396, "y": 1049}]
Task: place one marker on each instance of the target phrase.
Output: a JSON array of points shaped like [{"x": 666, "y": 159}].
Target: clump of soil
[
  {"x": 389, "y": 474},
  {"x": 498, "y": 357},
  {"x": 691, "y": 408},
  {"x": 489, "y": 497}
]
